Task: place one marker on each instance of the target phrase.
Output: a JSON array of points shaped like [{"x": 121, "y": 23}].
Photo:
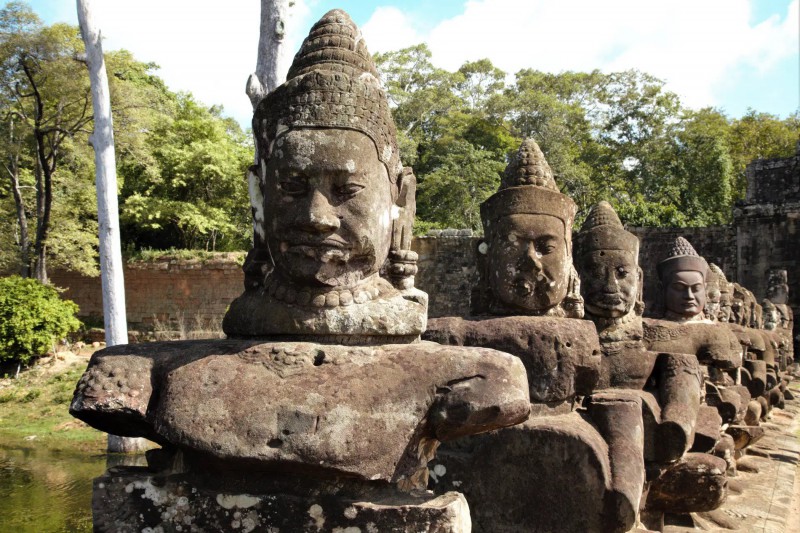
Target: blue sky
[{"x": 731, "y": 54}]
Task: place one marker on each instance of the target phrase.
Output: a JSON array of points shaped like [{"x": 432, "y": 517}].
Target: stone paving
[{"x": 763, "y": 495}]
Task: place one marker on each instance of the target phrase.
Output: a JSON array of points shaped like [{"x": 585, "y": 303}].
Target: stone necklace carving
[{"x": 371, "y": 288}]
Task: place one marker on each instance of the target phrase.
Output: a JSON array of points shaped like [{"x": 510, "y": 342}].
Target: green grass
[{"x": 34, "y": 408}]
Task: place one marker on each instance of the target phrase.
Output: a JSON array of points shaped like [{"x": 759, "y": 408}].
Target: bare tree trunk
[
  {"x": 44, "y": 195},
  {"x": 22, "y": 218},
  {"x": 102, "y": 140},
  {"x": 266, "y": 78},
  {"x": 268, "y": 73}
]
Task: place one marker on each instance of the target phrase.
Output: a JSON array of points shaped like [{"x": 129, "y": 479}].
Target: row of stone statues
[
  {"x": 557, "y": 407},
  {"x": 689, "y": 375}
]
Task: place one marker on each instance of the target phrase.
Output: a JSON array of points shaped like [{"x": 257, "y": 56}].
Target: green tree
[
  {"x": 190, "y": 191},
  {"x": 419, "y": 94},
  {"x": 46, "y": 100},
  {"x": 32, "y": 318},
  {"x": 450, "y": 195},
  {"x": 760, "y": 136}
]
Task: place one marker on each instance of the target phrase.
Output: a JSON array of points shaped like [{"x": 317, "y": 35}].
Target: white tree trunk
[
  {"x": 268, "y": 74},
  {"x": 102, "y": 140}
]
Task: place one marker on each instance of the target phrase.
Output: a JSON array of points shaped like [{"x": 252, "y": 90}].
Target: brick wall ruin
[{"x": 169, "y": 291}]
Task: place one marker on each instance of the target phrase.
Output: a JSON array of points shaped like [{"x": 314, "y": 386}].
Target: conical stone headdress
[
  {"x": 528, "y": 187},
  {"x": 682, "y": 256},
  {"x": 332, "y": 83},
  {"x": 717, "y": 271},
  {"x": 603, "y": 230}
]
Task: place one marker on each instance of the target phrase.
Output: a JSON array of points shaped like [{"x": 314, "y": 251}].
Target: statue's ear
[
  {"x": 406, "y": 208},
  {"x": 639, "y": 305}
]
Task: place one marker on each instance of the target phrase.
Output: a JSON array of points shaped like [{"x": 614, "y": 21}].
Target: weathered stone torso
[{"x": 275, "y": 405}]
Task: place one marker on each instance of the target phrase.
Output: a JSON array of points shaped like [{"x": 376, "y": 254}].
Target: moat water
[{"x": 43, "y": 490}]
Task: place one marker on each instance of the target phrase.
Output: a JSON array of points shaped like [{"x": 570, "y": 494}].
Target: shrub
[{"x": 32, "y": 318}]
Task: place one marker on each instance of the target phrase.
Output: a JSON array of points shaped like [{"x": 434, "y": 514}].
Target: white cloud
[
  {"x": 698, "y": 47},
  {"x": 389, "y": 29},
  {"x": 692, "y": 45},
  {"x": 202, "y": 46}
]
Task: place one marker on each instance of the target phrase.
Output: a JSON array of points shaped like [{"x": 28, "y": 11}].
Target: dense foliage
[
  {"x": 180, "y": 165},
  {"x": 32, "y": 318},
  {"x": 620, "y": 137}
]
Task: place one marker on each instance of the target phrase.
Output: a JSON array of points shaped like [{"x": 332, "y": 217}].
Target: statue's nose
[
  {"x": 321, "y": 216},
  {"x": 611, "y": 278},
  {"x": 531, "y": 258}
]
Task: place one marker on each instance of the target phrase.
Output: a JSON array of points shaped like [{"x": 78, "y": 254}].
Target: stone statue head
[
  {"x": 772, "y": 317},
  {"x": 332, "y": 198},
  {"x": 528, "y": 230},
  {"x": 740, "y": 308},
  {"x": 713, "y": 293},
  {"x": 683, "y": 276},
  {"x": 756, "y": 314},
  {"x": 607, "y": 260},
  {"x": 718, "y": 283},
  {"x": 786, "y": 316},
  {"x": 778, "y": 286},
  {"x": 332, "y": 205}
]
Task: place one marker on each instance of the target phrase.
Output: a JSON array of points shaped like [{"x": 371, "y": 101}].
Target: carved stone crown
[
  {"x": 602, "y": 230},
  {"x": 528, "y": 167},
  {"x": 682, "y": 256},
  {"x": 332, "y": 83},
  {"x": 528, "y": 187},
  {"x": 717, "y": 271}
]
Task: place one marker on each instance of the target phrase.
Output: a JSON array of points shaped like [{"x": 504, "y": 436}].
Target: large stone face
[
  {"x": 371, "y": 412},
  {"x": 332, "y": 205}
]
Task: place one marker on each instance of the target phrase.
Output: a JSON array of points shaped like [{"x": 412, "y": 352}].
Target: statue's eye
[
  {"x": 545, "y": 245},
  {"x": 622, "y": 273},
  {"x": 294, "y": 187},
  {"x": 349, "y": 190}
]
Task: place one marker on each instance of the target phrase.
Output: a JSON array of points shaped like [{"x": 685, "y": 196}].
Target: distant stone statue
[
  {"x": 722, "y": 303},
  {"x": 778, "y": 286},
  {"x": 772, "y": 317},
  {"x": 683, "y": 276}
]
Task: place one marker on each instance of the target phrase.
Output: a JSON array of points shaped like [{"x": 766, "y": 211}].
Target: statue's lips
[
  {"x": 323, "y": 250},
  {"x": 525, "y": 287},
  {"x": 608, "y": 298}
]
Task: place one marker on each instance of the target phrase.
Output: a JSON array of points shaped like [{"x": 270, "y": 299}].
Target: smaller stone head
[
  {"x": 772, "y": 317},
  {"x": 740, "y": 308},
  {"x": 607, "y": 260},
  {"x": 725, "y": 293},
  {"x": 778, "y": 286},
  {"x": 756, "y": 314},
  {"x": 683, "y": 276},
  {"x": 528, "y": 229},
  {"x": 713, "y": 293},
  {"x": 786, "y": 317}
]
